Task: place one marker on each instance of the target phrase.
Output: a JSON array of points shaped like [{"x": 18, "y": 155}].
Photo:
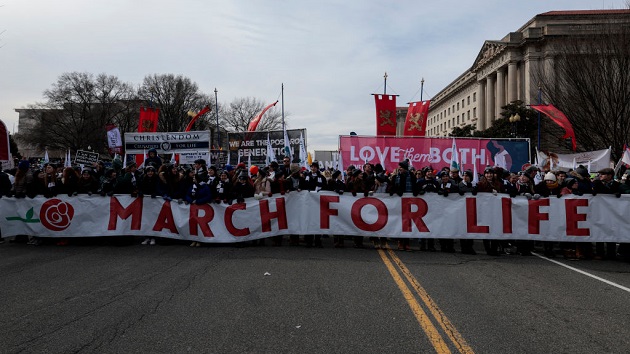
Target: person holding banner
[
  {"x": 23, "y": 184},
  {"x": 149, "y": 182},
  {"x": 69, "y": 181},
  {"x": 606, "y": 184},
  {"x": 402, "y": 182},
  {"x": 314, "y": 181},
  {"x": 169, "y": 185},
  {"x": 490, "y": 184}
]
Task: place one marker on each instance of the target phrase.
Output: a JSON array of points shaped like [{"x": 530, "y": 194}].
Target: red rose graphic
[{"x": 56, "y": 215}]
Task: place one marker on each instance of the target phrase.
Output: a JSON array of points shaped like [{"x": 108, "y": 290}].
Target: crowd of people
[{"x": 202, "y": 184}]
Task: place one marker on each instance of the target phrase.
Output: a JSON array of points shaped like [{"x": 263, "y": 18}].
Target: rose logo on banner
[{"x": 56, "y": 215}]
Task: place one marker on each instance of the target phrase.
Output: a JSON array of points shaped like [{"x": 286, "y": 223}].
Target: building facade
[{"x": 506, "y": 70}]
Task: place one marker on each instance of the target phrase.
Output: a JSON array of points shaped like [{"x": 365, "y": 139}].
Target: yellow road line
[
  {"x": 457, "y": 339},
  {"x": 425, "y": 322}
]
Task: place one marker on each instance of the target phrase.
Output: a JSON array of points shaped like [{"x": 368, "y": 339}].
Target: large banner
[
  {"x": 254, "y": 144},
  {"x": 600, "y": 218},
  {"x": 166, "y": 142},
  {"x": 594, "y": 160},
  {"x": 510, "y": 154}
]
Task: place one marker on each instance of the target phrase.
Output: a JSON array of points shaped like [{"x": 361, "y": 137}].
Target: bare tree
[
  {"x": 76, "y": 110},
  {"x": 590, "y": 83},
  {"x": 175, "y": 96},
  {"x": 242, "y": 110}
]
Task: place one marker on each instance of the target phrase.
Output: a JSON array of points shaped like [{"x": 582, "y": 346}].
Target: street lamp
[{"x": 514, "y": 119}]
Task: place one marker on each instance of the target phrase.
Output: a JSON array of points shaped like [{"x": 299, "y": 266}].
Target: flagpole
[
  {"x": 421, "y": 88},
  {"x": 282, "y": 95},
  {"x": 216, "y": 107},
  {"x": 539, "y": 102},
  {"x": 385, "y": 84}
]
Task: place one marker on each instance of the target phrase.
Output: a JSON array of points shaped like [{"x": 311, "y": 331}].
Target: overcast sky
[{"x": 330, "y": 55}]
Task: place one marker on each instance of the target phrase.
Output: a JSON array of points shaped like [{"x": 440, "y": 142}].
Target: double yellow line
[{"x": 431, "y": 331}]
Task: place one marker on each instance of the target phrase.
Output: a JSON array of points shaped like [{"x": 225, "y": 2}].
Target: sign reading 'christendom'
[{"x": 167, "y": 142}]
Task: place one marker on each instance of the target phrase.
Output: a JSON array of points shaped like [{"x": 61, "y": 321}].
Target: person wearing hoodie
[{"x": 154, "y": 159}]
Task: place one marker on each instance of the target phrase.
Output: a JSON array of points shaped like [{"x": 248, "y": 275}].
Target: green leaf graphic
[{"x": 29, "y": 214}]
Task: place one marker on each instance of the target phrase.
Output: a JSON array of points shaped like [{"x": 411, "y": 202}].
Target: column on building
[
  {"x": 481, "y": 108},
  {"x": 500, "y": 92},
  {"x": 512, "y": 91},
  {"x": 490, "y": 102}
]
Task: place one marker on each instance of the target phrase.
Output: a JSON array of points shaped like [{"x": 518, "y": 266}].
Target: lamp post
[{"x": 514, "y": 119}]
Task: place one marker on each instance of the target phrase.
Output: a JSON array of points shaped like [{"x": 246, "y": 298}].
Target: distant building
[{"x": 505, "y": 69}]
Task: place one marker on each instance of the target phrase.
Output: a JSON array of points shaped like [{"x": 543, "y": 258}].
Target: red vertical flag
[
  {"x": 148, "y": 120},
  {"x": 416, "y": 121},
  {"x": 385, "y": 114},
  {"x": 559, "y": 118},
  {"x": 254, "y": 123}
]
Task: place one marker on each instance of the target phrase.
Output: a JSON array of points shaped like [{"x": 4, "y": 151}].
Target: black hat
[
  {"x": 468, "y": 173},
  {"x": 582, "y": 171},
  {"x": 378, "y": 168},
  {"x": 404, "y": 165},
  {"x": 149, "y": 168},
  {"x": 315, "y": 164},
  {"x": 381, "y": 177},
  {"x": 606, "y": 171},
  {"x": 242, "y": 175},
  {"x": 200, "y": 161},
  {"x": 568, "y": 182},
  {"x": 336, "y": 174}
]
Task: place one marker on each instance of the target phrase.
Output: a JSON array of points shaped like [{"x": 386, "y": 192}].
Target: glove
[
  {"x": 102, "y": 193},
  {"x": 536, "y": 196},
  {"x": 90, "y": 194},
  {"x": 512, "y": 194},
  {"x": 240, "y": 200},
  {"x": 153, "y": 196},
  {"x": 422, "y": 192},
  {"x": 365, "y": 194},
  {"x": 617, "y": 195},
  {"x": 110, "y": 193},
  {"x": 494, "y": 192},
  {"x": 528, "y": 196},
  {"x": 167, "y": 198},
  {"x": 179, "y": 201},
  {"x": 217, "y": 201},
  {"x": 391, "y": 194},
  {"x": 354, "y": 194},
  {"x": 461, "y": 193},
  {"x": 559, "y": 196},
  {"x": 594, "y": 193},
  {"x": 445, "y": 193},
  {"x": 270, "y": 194},
  {"x": 440, "y": 192},
  {"x": 340, "y": 192},
  {"x": 578, "y": 193},
  {"x": 415, "y": 194}
]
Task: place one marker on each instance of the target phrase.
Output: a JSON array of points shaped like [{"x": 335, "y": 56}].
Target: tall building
[{"x": 505, "y": 70}]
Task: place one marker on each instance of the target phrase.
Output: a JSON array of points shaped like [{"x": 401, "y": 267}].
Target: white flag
[
  {"x": 455, "y": 157},
  {"x": 68, "y": 163},
  {"x": 271, "y": 156},
  {"x": 46, "y": 160},
  {"x": 475, "y": 179},
  {"x": 303, "y": 155},
  {"x": 287, "y": 145}
]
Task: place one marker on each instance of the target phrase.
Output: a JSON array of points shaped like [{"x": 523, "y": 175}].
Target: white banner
[
  {"x": 190, "y": 157},
  {"x": 570, "y": 218},
  {"x": 167, "y": 142},
  {"x": 597, "y": 160}
]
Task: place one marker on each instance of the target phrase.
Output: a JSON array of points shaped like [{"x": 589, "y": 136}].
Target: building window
[
  {"x": 475, "y": 112},
  {"x": 468, "y": 115},
  {"x": 474, "y": 96},
  {"x": 468, "y": 99},
  {"x": 462, "y": 103},
  {"x": 458, "y": 106}
]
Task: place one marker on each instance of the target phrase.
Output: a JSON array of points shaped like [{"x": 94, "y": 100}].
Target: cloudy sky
[{"x": 330, "y": 55}]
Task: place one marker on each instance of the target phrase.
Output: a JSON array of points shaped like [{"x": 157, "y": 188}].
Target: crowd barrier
[{"x": 601, "y": 218}]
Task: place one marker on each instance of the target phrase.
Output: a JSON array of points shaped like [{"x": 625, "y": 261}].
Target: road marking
[
  {"x": 457, "y": 339},
  {"x": 425, "y": 322},
  {"x": 585, "y": 273}
]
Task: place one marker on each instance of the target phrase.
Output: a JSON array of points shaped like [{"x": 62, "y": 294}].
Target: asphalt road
[{"x": 98, "y": 297}]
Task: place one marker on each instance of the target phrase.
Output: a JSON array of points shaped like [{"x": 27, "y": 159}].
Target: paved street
[{"x": 97, "y": 296}]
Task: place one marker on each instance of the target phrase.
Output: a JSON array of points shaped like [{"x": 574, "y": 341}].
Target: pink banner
[{"x": 510, "y": 154}]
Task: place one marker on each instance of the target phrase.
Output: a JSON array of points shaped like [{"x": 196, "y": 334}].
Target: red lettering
[
  {"x": 195, "y": 221},
  {"x": 116, "y": 210},
  {"x": 471, "y": 218},
  {"x": 381, "y": 210},
  {"x": 416, "y": 216},
  {"x": 506, "y": 209},
  {"x": 573, "y": 217},
  {"x": 280, "y": 214},
  {"x": 535, "y": 216},
  {"x": 165, "y": 219},
  {"x": 229, "y": 225},
  {"x": 324, "y": 210}
]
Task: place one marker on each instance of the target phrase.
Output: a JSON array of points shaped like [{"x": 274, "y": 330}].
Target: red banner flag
[
  {"x": 559, "y": 118},
  {"x": 254, "y": 123},
  {"x": 385, "y": 114},
  {"x": 416, "y": 121},
  {"x": 194, "y": 118},
  {"x": 5, "y": 150},
  {"x": 148, "y": 120}
]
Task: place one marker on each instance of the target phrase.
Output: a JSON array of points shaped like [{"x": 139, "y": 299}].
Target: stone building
[{"x": 505, "y": 70}]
